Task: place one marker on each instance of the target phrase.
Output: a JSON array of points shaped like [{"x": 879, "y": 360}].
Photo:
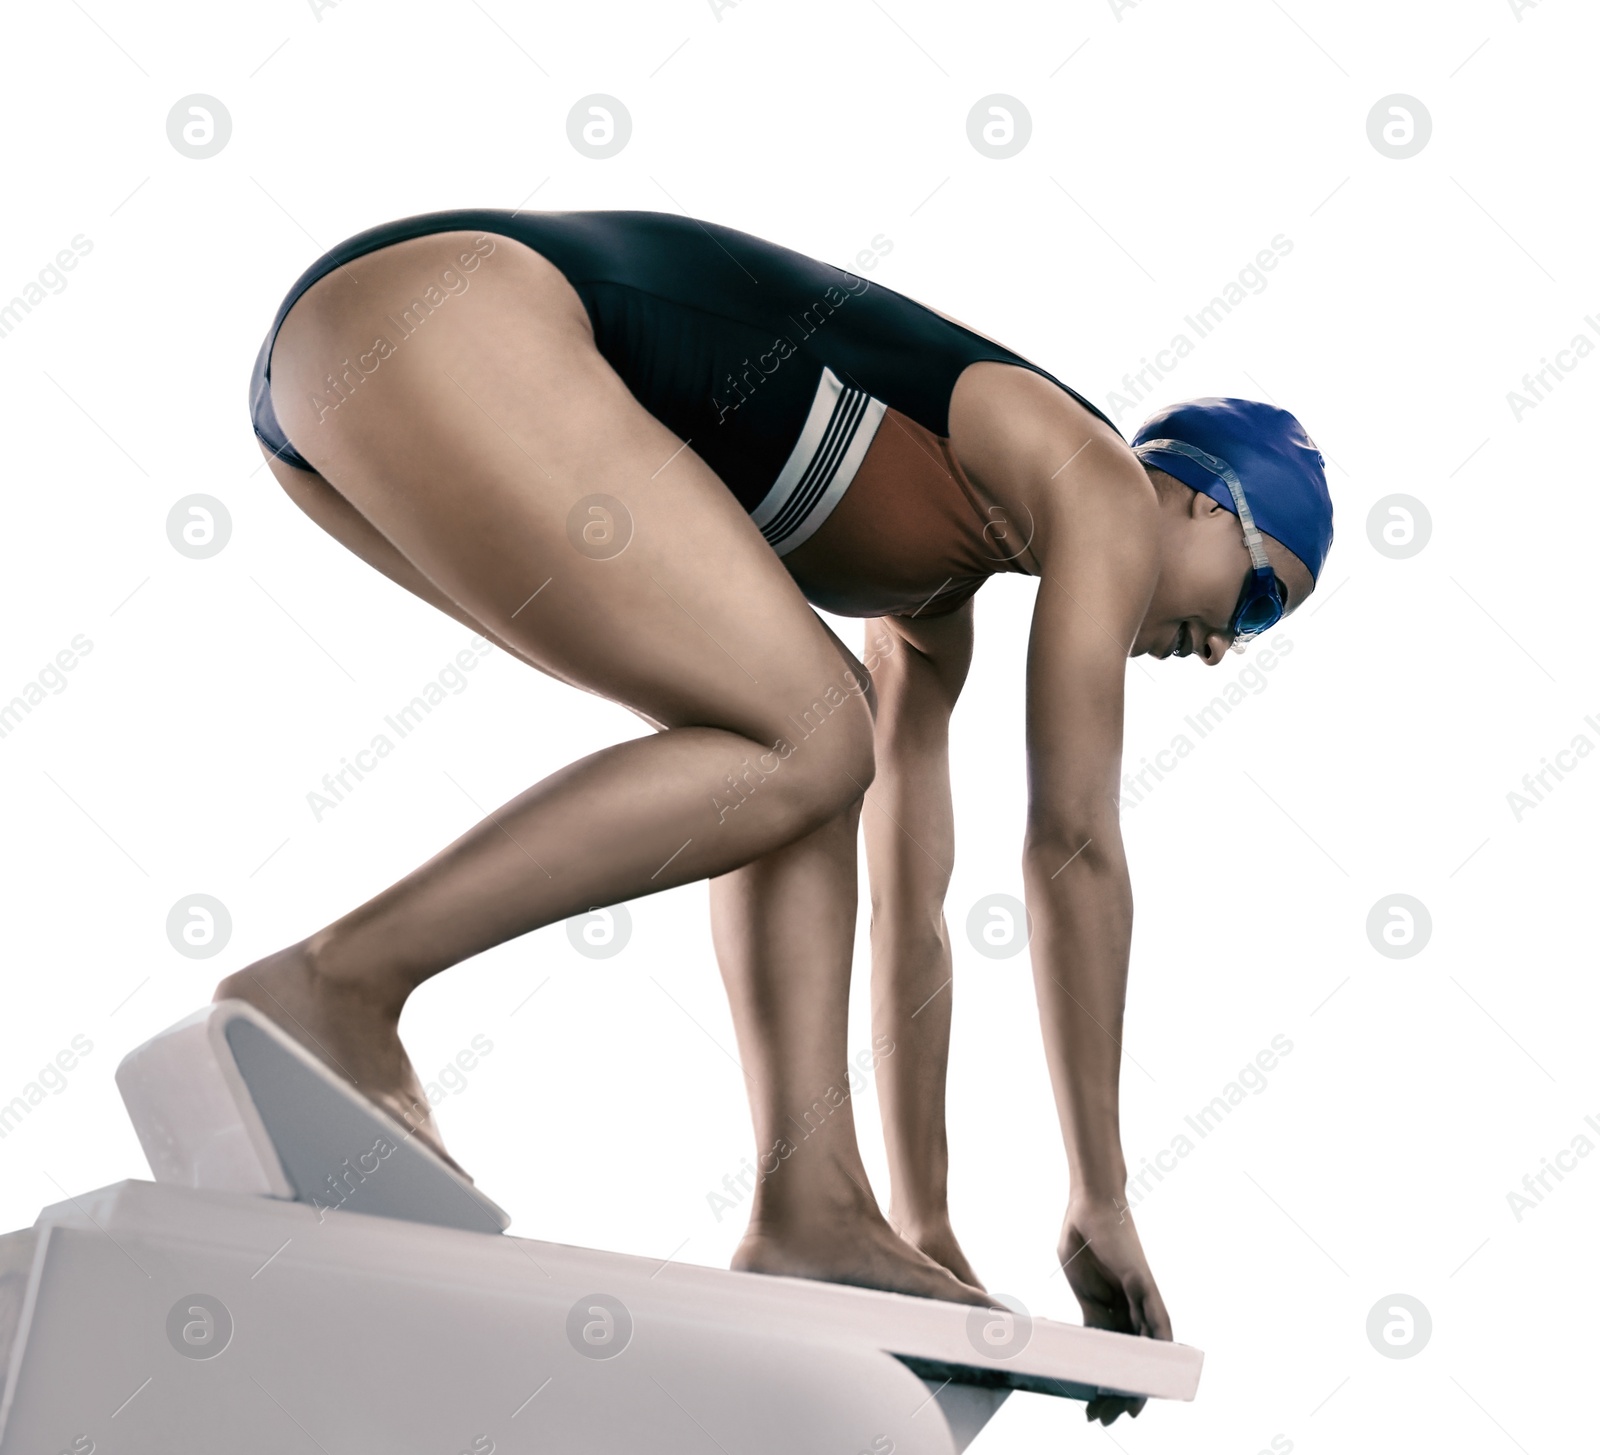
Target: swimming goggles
[{"x": 1261, "y": 603}]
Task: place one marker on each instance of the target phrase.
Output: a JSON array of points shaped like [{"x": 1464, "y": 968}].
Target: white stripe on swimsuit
[{"x": 832, "y": 444}]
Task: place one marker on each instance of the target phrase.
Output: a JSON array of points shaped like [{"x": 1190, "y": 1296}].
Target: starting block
[{"x": 304, "y": 1275}]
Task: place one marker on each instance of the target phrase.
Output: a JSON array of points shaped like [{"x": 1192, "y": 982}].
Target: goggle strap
[{"x": 1224, "y": 472}]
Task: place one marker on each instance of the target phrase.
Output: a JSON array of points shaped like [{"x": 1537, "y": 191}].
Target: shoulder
[
  {"x": 1098, "y": 536},
  {"x": 1019, "y": 435},
  {"x": 1052, "y": 462}
]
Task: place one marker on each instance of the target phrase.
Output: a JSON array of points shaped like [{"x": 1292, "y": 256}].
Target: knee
[
  {"x": 835, "y": 761},
  {"x": 855, "y": 754}
]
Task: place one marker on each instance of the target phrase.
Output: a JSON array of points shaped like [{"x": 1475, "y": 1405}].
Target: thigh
[
  {"x": 340, "y": 519},
  {"x": 856, "y": 668},
  {"x": 489, "y": 442}
]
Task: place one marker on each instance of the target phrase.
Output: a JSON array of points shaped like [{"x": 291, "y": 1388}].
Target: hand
[{"x": 1106, "y": 1268}]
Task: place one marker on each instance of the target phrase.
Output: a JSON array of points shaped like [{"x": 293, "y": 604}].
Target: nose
[{"x": 1214, "y": 646}]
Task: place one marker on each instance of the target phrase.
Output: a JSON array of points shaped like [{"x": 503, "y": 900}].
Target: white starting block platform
[{"x": 303, "y": 1276}]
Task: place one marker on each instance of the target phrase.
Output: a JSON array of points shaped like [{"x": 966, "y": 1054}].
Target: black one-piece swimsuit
[{"x": 776, "y": 368}]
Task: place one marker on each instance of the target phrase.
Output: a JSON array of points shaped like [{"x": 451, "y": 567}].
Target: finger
[
  {"x": 1098, "y": 1315},
  {"x": 1118, "y": 1314},
  {"x": 1138, "y": 1309},
  {"x": 1140, "y": 1293},
  {"x": 1105, "y": 1308},
  {"x": 1154, "y": 1322},
  {"x": 1106, "y": 1407}
]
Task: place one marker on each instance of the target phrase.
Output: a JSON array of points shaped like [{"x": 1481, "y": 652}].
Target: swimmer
[{"x": 635, "y": 451}]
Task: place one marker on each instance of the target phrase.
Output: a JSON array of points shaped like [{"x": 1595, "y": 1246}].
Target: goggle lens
[{"x": 1260, "y": 606}]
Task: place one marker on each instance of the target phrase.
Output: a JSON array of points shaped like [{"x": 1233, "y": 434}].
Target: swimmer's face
[{"x": 1204, "y": 566}]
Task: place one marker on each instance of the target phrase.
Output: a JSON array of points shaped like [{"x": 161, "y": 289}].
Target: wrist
[{"x": 1088, "y": 1217}]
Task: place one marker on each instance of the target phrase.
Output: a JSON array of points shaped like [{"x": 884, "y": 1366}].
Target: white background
[{"x": 1170, "y": 143}]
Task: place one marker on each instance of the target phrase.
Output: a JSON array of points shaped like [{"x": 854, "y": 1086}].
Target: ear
[{"x": 1202, "y": 506}]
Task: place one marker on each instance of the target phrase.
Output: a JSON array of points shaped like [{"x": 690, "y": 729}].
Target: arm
[
  {"x": 1080, "y": 900},
  {"x": 1098, "y": 572},
  {"x": 918, "y": 667}
]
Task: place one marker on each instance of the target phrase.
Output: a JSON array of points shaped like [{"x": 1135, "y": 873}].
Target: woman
[{"x": 629, "y": 448}]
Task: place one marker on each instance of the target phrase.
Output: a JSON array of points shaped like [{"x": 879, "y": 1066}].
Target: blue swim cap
[{"x": 1278, "y": 465}]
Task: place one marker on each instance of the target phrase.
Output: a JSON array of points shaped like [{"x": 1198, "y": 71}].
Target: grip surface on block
[{"x": 227, "y": 1102}]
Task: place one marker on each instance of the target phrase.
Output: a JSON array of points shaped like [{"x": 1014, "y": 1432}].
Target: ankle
[
  {"x": 327, "y": 961},
  {"x": 298, "y": 971},
  {"x": 814, "y": 1195},
  {"x": 924, "y": 1225}
]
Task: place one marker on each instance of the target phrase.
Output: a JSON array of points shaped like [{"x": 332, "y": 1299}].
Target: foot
[
  {"x": 938, "y": 1241},
  {"x": 347, "y": 1028},
  {"x": 859, "y": 1249}
]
